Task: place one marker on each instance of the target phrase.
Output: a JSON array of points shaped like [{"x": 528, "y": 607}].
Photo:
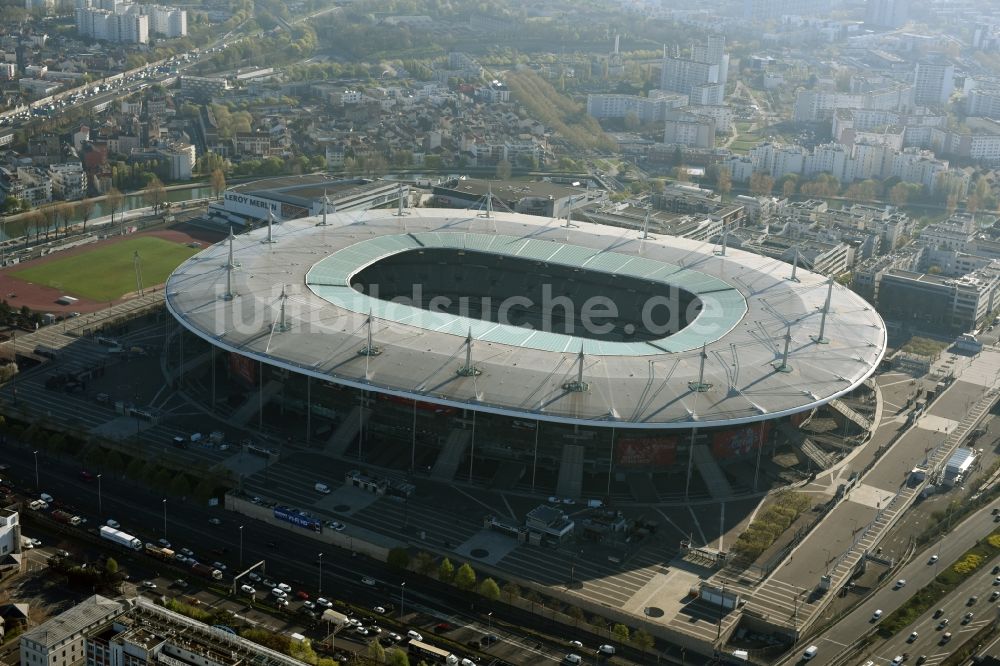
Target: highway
[
  {"x": 917, "y": 574},
  {"x": 295, "y": 560}
]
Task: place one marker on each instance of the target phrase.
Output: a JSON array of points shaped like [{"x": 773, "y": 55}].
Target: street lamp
[
  {"x": 36, "y": 469},
  {"x": 320, "y": 586},
  {"x": 402, "y": 598},
  {"x": 489, "y": 619},
  {"x": 164, "y": 517},
  {"x": 241, "y": 545},
  {"x": 100, "y": 504}
]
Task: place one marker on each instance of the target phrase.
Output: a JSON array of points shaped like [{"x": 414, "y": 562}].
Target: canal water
[{"x": 16, "y": 228}]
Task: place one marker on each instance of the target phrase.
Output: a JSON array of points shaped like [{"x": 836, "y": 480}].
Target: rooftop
[
  {"x": 746, "y": 306},
  {"x": 71, "y": 622}
]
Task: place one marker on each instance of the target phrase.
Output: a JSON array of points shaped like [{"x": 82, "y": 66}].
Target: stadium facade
[{"x": 517, "y": 350}]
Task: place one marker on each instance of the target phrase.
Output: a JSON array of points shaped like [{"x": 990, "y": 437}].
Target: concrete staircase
[
  {"x": 642, "y": 488},
  {"x": 806, "y": 446},
  {"x": 451, "y": 455},
  {"x": 347, "y": 432},
  {"x": 713, "y": 476},
  {"x": 842, "y": 407},
  {"x": 254, "y": 403},
  {"x": 570, "y": 482}
]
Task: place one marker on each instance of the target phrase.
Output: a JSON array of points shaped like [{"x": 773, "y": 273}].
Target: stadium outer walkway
[{"x": 856, "y": 524}]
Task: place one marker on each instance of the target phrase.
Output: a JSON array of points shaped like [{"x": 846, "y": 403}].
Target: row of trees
[
  {"x": 464, "y": 577},
  {"x": 563, "y": 115}
]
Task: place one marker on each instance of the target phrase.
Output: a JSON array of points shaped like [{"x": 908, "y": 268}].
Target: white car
[
  {"x": 913, "y": 637},
  {"x": 379, "y": 609},
  {"x": 113, "y": 524},
  {"x": 309, "y": 604},
  {"x": 247, "y": 589},
  {"x": 414, "y": 635},
  {"x": 368, "y": 580},
  {"x": 254, "y": 577},
  {"x": 877, "y": 615},
  {"x": 325, "y": 603},
  {"x": 900, "y": 583},
  {"x": 577, "y": 644},
  {"x": 282, "y": 602},
  {"x": 279, "y": 593},
  {"x": 934, "y": 558},
  {"x": 284, "y": 587},
  {"x": 148, "y": 584}
]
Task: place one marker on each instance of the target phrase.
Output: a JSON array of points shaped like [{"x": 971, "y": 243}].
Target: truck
[
  {"x": 160, "y": 552},
  {"x": 206, "y": 571},
  {"x": 66, "y": 518},
  {"x": 121, "y": 538}
]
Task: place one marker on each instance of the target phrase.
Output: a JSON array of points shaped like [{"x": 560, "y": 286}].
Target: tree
[
  {"x": 723, "y": 181},
  {"x": 180, "y": 486},
  {"x": 899, "y": 194},
  {"x": 155, "y": 194},
  {"x": 620, "y": 632},
  {"x": 396, "y": 657},
  {"x": 446, "y": 570},
  {"x": 511, "y": 590},
  {"x": 465, "y": 577},
  {"x": 789, "y": 184},
  {"x": 643, "y": 640},
  {"x": 86, "y": 208},
  {"x": 423, "y": 563},
  {"x": 217, "y": 182},
  {"x": 376, "y": 652},
  {"x": 114, "y": 199},
  {"x": 598, "y": 622},
  {"x": 761, "y": 183},
  {"x": 489, "y": 589},
  {"x": 577, "y": 614},
  {"x": 68, "y": 212},
  {"x": 398, "y": 558},
  {"x": 503, "y": 170},
  {"x": 111, "y": 566}
]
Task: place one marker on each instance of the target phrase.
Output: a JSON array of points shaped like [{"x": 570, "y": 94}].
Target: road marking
[{"x": 511, "y": 510}]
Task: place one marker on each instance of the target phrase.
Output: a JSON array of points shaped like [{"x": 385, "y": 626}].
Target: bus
[{"x": 431, "y": 654}]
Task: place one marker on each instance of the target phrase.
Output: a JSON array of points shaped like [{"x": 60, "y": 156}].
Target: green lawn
[{"x": 106, "y": 273}]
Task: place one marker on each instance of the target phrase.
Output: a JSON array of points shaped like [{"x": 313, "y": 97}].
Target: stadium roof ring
[{"x": 523, "y": 316}]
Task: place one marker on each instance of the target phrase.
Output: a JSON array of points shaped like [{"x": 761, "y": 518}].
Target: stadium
[{"x": 519, "y": 351}]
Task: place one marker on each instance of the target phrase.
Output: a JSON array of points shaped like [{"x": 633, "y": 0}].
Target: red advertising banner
[
  {"x": 646, "y": 452},
  {"x": 243, "y": 368},
  {"x": 739, "y": 441}
]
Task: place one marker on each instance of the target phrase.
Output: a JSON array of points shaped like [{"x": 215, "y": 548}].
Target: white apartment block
[
  {"x": 933, "y": 83},
  {"x": 167, "y": 21},
  {"x": 688, "y": 129},
  {"x": 847, "y": 164},
  {"x": 10, "y": 533},
  {"x": 721, "y": 114},
  {"x": 680, "y": 75},
  {"x": 113, "y": 21},
  {"x": 647, "y": 109},
  {"x": 812, "y": 105},
  {"x": 69, "y": 182},
  {"x": 983, "y": 102}
]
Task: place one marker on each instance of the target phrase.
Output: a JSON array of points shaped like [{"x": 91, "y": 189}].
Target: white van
[
  {"x": 810, "y": 653},
  {"x": 322, "y": 488},
  {"x": 45, "y": 497}
]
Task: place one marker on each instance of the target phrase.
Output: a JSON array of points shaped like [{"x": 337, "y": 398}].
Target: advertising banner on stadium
[
  {"x": 739, "y": 441},
  {"x": 295, "y": 517},
  {"x": 646, "y": 452},
  {"x": 243, "y": 368}
]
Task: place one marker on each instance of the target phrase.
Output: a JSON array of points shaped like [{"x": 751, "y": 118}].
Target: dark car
[
  {"x": 488, "y": 640},
  {"x": 442, "y": 627}
]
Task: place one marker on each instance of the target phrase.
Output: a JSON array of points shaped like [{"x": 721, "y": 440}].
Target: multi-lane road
[
  {"x": 244, "y": 540},
  {"x": 837, "y": 640}
]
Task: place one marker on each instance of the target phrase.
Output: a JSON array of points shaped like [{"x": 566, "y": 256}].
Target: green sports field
[{"x": 106, "y": 273}]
